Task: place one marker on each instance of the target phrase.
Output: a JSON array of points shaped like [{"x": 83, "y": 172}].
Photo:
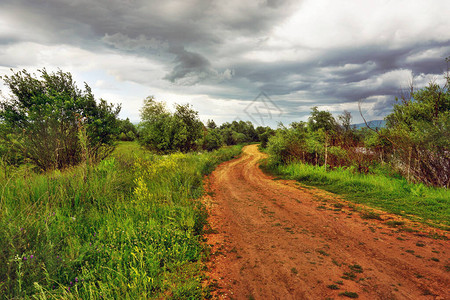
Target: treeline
[
  {"x": 164, "y": 132},
  {"x": 414, "y": 143},
  {"x": 51, "y": 123}
]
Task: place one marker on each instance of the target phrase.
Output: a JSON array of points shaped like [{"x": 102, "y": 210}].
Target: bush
[
  {"x": 48, "y": 114},
  {"x": 285, "y": 146},
  {"x": 213, "y": 140}
]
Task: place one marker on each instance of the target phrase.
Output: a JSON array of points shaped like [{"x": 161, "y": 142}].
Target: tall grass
[
  {"x": 127, "y": 228},
  {"x": 378, "y": 190}
]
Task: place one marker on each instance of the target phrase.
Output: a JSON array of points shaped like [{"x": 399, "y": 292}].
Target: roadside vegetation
[
  {"x": 128, "y": 227},
  {"x": 85, "y": 216},
  {"x": 403, "y": 167}
]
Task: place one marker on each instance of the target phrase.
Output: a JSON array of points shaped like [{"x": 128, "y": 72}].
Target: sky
[{"x": 266, "y": 61}]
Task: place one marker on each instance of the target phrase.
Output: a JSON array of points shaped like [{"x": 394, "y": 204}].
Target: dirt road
[{"x": 273, "y": 239}]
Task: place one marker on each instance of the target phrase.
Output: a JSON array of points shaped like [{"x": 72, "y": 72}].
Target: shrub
[
  {"x": 213, "y": 140},
  {"x": 47, "y": 115}
]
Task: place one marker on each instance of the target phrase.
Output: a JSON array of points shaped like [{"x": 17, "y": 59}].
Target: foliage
[
  {"x": 419, "y": 128},
  {"x": 320, "y": 141},
  {"x": 127, "y": 130},
  {"x": 286, "y": 146},
  {"x": 264, "y": 133},
  {"x": 213, "y": 140},
  {"x": 10, "y": 147},
  {"x": 210, "y": 124},
  {"x": 164, "y": 132},
  {"x": 45, "y": 116},
  {"x": 321, "y": 120},
  {"x": 238, "y": 132},
  {"x": 126, "y": 228}
]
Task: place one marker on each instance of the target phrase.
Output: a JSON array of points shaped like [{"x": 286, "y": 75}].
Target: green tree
[
  {"x": 155, "y": 129},
  {"x": 164, "y": 132},
  {"x": 326, "y": 126},
  {"x": 48, "y": 113},
  {"x": 419, "y": 129},
  {"x": 228, "y": 136},
  {"x": 189, "y": 127},
  {"x": 128, "y": 131},
  {"x": 210, "y": 124},
  {"x": 213, "y": 140},
  {"x": 321, "y": 120},
  {"x": 264, "y": 134}
]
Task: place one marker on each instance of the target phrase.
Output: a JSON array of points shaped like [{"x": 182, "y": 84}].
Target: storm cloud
[{"x": 220, "y": 55}]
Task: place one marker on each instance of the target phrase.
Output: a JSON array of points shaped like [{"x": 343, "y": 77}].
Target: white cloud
[{"x": 327, "y": 24}]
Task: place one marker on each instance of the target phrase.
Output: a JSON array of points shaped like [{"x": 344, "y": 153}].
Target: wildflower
[
  {"x": 71, "y": 283},
  {"x": 24, "y": 258},
  {"x": 21, "y": 228},
  {"x": 76, "y": 279},
  {"x": 31, "y": 256}
]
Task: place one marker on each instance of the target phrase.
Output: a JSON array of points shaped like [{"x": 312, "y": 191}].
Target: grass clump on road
[
  {"x": 349, "y": 294},
  {"x": 129, "y": 227}
]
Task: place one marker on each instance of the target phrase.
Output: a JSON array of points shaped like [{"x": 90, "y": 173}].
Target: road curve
[{"x": 273, "y": 239}]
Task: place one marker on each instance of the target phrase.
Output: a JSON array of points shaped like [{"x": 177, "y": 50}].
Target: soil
[{"x": 277, "y": 239}]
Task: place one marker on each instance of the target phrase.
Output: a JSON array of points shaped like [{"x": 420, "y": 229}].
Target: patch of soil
[{"x": 274, "y": 239}]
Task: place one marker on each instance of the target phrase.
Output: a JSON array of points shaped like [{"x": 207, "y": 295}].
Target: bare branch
[{"x": 367, "y": 125}]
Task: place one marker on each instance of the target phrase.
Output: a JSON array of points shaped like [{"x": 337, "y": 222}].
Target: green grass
[
  {"x": 395, "y": 195},
  {"x": 349, "y": 294},
  {"x": 129, "y": 228}
]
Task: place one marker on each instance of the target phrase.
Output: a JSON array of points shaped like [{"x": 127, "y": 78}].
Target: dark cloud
[
  {"x": 230, "y": 49},
  {"x": 189, "y": 64}
]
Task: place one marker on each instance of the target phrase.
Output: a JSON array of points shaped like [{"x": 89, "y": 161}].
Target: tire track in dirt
[{"x": 272, "y": 239}]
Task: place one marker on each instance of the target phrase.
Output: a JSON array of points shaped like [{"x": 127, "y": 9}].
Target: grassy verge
[
  {"x": 127, "y": 228},
  {"x": 395, "y": 195}
]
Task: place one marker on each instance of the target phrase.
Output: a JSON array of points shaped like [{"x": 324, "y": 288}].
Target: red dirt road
[{"x": 273, "y": 239}]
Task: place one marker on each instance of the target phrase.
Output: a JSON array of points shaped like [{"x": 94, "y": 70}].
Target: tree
[
  {"x": 323, "y": 123},
  {"x": 419, "y": 129},
  {"x": 189, "y": 125},
  {"x": 155, "y": 128},
  {"x": 228, "y": 136},
  {"x": 213, "y": 140},
  {"x": 264, "y": 135},
  {"x": 164, "y": 132},
  {"x": 321, "y": 120},
  {"x": 48, "y": 113},
  {"x": 346, "y": 130},
  {"x": 128, "y": 131},
  {"x": 210, "y": 124}
]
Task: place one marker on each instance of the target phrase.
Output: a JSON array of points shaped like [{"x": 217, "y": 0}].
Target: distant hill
[{"x": 373, "y": 124}]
